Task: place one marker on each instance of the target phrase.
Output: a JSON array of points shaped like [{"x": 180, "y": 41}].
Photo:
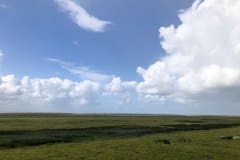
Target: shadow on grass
[{"x": 12, "y": 139}]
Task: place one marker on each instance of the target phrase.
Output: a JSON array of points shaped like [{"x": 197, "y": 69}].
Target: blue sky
[
  {"x": 148, "y": 56},
  {"x": 32, "y": 31}
]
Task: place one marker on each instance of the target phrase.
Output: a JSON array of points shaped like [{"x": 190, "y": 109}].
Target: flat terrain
[{"x": 118, "y": 137}]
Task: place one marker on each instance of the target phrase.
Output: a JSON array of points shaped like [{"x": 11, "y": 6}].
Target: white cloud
[
  {"x": 117, "y": 85},
  {"x": 53, "y": 92},
  {"x": 9, "y": 85},
  {"x": 202, "y": 57},
  {"x": 56, "y": 94},
  {"x": 123, "y": 90},
  {"x": 81, "y": 17},
  {"x": 112, "y": 87},
  {"x": 82, "y": 71}
]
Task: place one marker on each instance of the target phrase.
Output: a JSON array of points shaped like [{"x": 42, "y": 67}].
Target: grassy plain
[{"x": 117, "y": 137}]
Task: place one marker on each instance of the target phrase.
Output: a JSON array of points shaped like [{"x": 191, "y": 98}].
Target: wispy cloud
[
  {"x": 85, "y": 73},
  {"x": 1, "y": 55},
  {"x": 76, "y": 43},
  {"x": 3, "y": 6},
  {"x": 81, "y": 17}
]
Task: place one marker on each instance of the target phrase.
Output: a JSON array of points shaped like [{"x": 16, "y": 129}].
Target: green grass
[{"x": 117, "y": 137}]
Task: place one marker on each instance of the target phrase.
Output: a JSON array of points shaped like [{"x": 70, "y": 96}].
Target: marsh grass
[{"x": 117, "y": 137}]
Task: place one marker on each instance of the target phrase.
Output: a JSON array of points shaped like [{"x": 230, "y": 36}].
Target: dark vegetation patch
[
  {"x": 12, "y": 139},
  {"x": 163, "y": 141},
  {"x": 190, "y": 121},
  {"x": 184, "y": 140},
  {"x": 230, "y": 137}
]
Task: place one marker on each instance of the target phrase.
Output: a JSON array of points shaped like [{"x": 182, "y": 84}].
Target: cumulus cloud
[
  {"x": 82, "y": 71},
  {"x": 52, "y": 91},
  {"x": 124, "y": 90},
  {"x": 56, "y": 94},
  {"x": 81, "y": 17},
  {"x": 202, "y": 55},
  {"x": 117, "y": 85},
  {"x": 9, "y": 86}
]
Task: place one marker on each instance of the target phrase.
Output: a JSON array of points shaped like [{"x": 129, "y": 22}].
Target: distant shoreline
[{"x": 113, "y": 114}]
